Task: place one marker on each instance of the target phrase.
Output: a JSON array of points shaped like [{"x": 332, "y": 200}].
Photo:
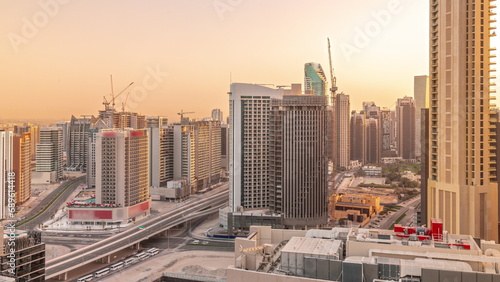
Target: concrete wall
[{"x": 240, "y": 275}]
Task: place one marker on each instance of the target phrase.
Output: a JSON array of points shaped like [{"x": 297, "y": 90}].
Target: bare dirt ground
[
  {"x": 53, "y": 251},
  {"x": 197, "y": 263}
]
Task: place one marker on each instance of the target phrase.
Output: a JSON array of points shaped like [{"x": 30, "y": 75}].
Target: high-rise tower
[
  {"x": 358, "y": 149},
  {"x": 122, "y": 167},
  {"x": 250, "y": 107},
  {"x": 343, "y": 131},
  {"x": 299, "y": 159},
  {"x": 7, "y": 179},
  {"x": 315, "y": 79},
  {"x": 49, "y": 152},
  {"x": 405, "y": 115},
  {"x": 462, "y": 188},
  {"x": 77, "y": 150},
  {"x": 421, "y": 95},
  {"x": 21, "y": 163}
]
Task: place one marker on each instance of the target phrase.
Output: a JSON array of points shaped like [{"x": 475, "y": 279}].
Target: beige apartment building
[
  {"x": 122, "y": 167},
  {"x": 462, "y": 187},
  {"x": 343, "y": 130},
  {"x": 22, "y": 166}
]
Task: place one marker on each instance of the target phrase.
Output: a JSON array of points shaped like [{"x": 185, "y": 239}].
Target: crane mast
[
  {"x": 333, "y": 79},
  {"x": 333, "y": 134},
  {"x": 107, "y": 103}
]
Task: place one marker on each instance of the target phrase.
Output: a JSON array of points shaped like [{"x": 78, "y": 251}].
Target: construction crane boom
[
  {"x": 182, "y": 113},
  {"x": 113, "y": 100},
  {"x": 113, "y": 97},
  {"x": 333, "y": 79},
  {"x": 125, "y": 102}
]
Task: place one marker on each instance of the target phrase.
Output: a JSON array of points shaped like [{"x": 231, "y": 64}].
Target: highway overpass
[{"x": 59, "y": 267}]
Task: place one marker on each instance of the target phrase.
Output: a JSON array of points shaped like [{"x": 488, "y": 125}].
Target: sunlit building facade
[
  {"x": 49, "y": 152},
  {"x": 343, "y": 130},
  {"x": 122, "y": 167},
  {"x": 22, "y": 166},
  {"x": 250, "y": 108},
  {"x": 405, "y": 114},
  {"x": 298, "y": 150},
  {"x": 6, "y": 150},
  {"x": 462, "y": 187}
]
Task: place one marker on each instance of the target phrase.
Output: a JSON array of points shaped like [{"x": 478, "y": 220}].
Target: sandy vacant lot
[
  {"x": 198, "y": 263},
  {"x": 53, "y": 251}
]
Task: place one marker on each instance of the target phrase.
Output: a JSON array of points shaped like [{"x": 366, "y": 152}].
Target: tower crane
[
  {"x": 182, "y": 113},
  {"x": 125, "y": 102},
  {"x": 333, "y": 91},
  {"x": 113, "y": 97},
  {"x": 333, "y": 79}
]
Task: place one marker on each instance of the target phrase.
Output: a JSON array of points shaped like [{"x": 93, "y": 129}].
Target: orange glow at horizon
[{"x": 57, "y": 56}]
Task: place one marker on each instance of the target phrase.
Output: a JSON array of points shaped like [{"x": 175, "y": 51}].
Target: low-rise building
[
  {"x": 355, "y": 207},
  {"x": 358, "y": 254},
  {"x": 372, "y": 170}
]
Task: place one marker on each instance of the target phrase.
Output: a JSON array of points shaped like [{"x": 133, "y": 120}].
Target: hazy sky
[{"x": 57, "y": 55}]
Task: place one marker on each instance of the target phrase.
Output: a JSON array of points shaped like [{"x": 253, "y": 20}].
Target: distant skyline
[{"x": 57, "y": 55}]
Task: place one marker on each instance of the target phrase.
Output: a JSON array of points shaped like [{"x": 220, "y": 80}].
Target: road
[
  {"x": 406, "y": 207},
  {"x": 52, "y": 209},
  {"x": 129, "y": 237},
  {"x": 184, "y": 241}
]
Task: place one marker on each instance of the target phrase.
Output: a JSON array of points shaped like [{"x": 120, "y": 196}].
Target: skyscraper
[
  {"x": 372, "y": 140},
  {"x": 405, "y": 116},
  {"x": 161, "y": 155},
  {"x": 156, "y": 122},
  {"x": 421, "y": 95},
  {"x": 315, "y": 79},
  {"x": 463, "y": 188},
  {"x": 35, "y": 136},
  {"x": 343, "y": 130},
  {"x": 358, "y": 148},
  {"x": 122, "y": 167},
  {"x": 49, "y": 152},
  {"x": 129, "y": 120},
  {"x": 421, "y": 92},
  {"x": 424, "y": 160},
  {"x": 373, "y": 137},
  {"x": 121, "y": 179},
  {"x": 250, "y": 107},
  {"x": 21, "y": 166},
  {"x": 217, "y": 115},
  {"x": 386, "y": 123},
  {"x": 64, "y": 125},
  {"x": 77, "y": 150},
  {"x": 185, "y": 153},
  {"x": 208, "y": 153},
  {"x": 299, "y": 159},
  {"x": 95, "y": 128},
  {"x": 224, "y": 146},
  {"x": 6, "y": 149}
]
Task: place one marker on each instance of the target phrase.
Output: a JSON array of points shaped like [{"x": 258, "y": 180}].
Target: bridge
[{"x": 59, "y": 267}]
